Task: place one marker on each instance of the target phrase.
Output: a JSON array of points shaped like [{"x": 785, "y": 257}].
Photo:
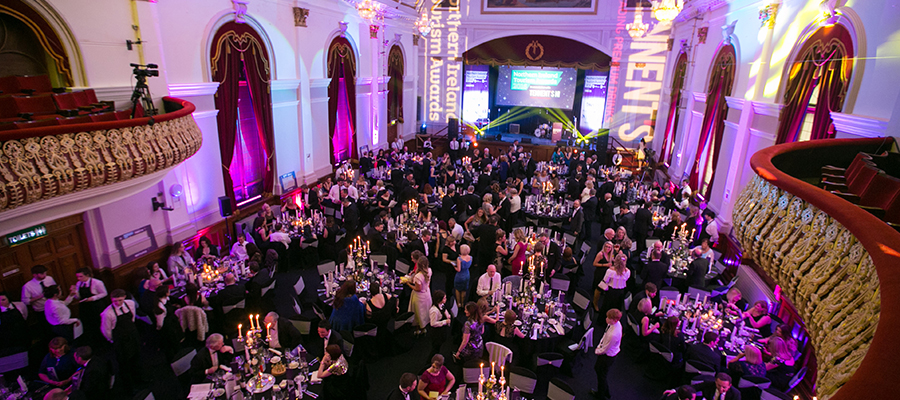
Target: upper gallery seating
[{"x": 31, "y": 101}]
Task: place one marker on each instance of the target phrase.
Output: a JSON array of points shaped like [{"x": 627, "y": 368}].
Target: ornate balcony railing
[
  {"x": 41, "y": 163},
  {"x": 834, "y": 261}
]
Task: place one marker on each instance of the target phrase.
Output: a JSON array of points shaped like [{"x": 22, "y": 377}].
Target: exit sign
[{"x": 26, "y": 235}]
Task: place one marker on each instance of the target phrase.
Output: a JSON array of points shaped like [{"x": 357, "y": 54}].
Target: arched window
[
  {"x": 342, "y": 100},
  {"x": 721, "y": 79},
  {"x": 668, "y": 145},
  {"x": 817, "y": 84},
  {"x": 395, "y": 92},
  {"x": 30, "y": 46},
  {"x": 240, "y": 64}
]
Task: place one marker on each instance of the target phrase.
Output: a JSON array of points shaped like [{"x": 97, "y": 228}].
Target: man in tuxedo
[
  {"x": 626, "y": 220},
  {"x": 448, "y": 204},
  {"x": 484, "y": 181},
  {"x": 502, "y": 210},
  {"x": 486, "y": 235},
  {"x": 643, "y": 224},
  {"x": 658, "y": 245},
  {"x": 607, "y": 217},
  {"x": 91, "y": 381},
  {"x": 590, "y": 213},
  {"x": 472, "y": 201},
  {"x": 696, "y": 275},
  {"x": 209, "y": 360},
  {"x": 721, "y": 389},
  {"x": 414, "y": 244},
  {"x": 684, "y": 392},
  {"x": 231, "y": 294},
  {"x": 328, "y": 337},
  {"x": 705, "y": 352},
  {"x": 282, "y": 332},
  {"x": 655, "y": 271},
  {"x": 407, "y": 388},
  {"x": 552, "y": 252},
  {"x": 576, "y": 221},
  {"x": 650, "y": 292},
  {"x": 351, "y": 216},
  {"x": 376, "y": 236}
]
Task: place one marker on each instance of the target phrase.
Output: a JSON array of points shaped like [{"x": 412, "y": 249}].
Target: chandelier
[
  {"x": 638, "y": 28},
  {"x": 666, "y": 10},
  {"x": 423, "y": 24},
  {"x": 368, "y": 9}
]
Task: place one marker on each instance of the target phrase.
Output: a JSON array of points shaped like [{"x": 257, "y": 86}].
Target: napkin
[
  {"x": 200, "y": 391},
  {"x": 559, "y": 329},
  {"x": 314, "y": 378}
]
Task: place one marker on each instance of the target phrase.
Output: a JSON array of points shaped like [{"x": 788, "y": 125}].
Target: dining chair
[
  {"x": 749, "y": 381},
  {"x": 14, "y": 362},
  {"x": 498, "y": 353},
  {"x": 326, "y": 267},
  {"x": 522, "y": 379},
  {"x": 559, "y": 390},
  {"x": 299, "y": 286},
  {"x": 474, "y": 369},
  {"x": 560, "y": 283}
]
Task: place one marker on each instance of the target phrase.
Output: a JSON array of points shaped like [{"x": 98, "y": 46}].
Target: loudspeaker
[
  {"x": 526, "y": 140},
  {"x": 514, "y": 128},
  {"x": 225, "y": 206},
  {"x": 453, "y": 129}
]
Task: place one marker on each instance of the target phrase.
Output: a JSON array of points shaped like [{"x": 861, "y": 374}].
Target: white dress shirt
[
  {"x": 611, "y": 342},
  {"x": 515, "y": 204},
  {"x": 486, "y": 284},
  {"x": 33, "y": 289},
  {"x": 240, "y": 251},
  {"x": 458, "y": 231},
  {"x": 438, "y": 319},
  {"x": 352, "y": 192},
  {"x": 335, "y": 194},
  {"x": 58, "y": 312},
  {"x": 712, "y": 229},
  {"x": 110, "y": 317},
  {"x": 616, "y": 281},
  {"x": 98, "y": 289},
  {"x": 273, "y": 334},
  {"x": 280, "y": 237},
  {"x": 18, "y": 306}
]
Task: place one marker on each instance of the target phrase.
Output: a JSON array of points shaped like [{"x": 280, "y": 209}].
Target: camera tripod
[{"x": 141, "y": 95}]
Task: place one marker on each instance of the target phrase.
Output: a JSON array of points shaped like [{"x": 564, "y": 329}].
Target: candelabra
[
  {"x": 488, "y": 388},
  {"x": 254, "y": 343}
]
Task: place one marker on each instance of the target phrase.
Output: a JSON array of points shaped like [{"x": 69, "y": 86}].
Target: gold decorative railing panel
[
  {"x": 38, "y": 168},
  {"x": 821, "y": 267}
]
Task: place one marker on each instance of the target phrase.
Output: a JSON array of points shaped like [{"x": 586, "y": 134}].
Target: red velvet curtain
[
  {"x": 720, "y": 82},
  {"x": 395, "y": 85},
  {"x": 238, "y": 48},
  {"x": 341, "y": 70},
  {"x": 668, "y": 145},
  {"x": 822, "y": 62}
]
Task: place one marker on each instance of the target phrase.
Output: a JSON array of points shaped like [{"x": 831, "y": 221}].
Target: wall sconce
[
  {"x": 176, "y": 190},
  {"x": 160, "y": 205}
]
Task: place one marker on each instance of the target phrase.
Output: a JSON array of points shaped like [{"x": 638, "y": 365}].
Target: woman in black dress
[{"x": 328, "y": 241}]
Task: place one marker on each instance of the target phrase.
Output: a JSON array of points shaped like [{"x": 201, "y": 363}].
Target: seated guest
[
  {"x": 685, "y": 392},
  {"x": 13, "y": 329},
  {"x": 93, "y": 378},
  {"x": 328, "y": 336},
  {"x": 758, "y": 317},
  {"x": 649, "y": 323},
  {"x": 239, "y": 249},
  {"x": 508, "y": 328},
  {"x": 489, "y": 282},
  {"x": 231, "y": 294},
  {"x": 655, "y": 271},
  {"x": 569, "y": 263},
  {"x": 720, "y": 389},
  {"x": 649, "y": 292},
  {"x": 56, "y": 394},
  {"x": 155, "y": 271},
  {"x": 748, "y": 363},
  {"x": 407, "y": 389},
  {"x": 348, "y": 311},
  {"x": 780, "y": 369},
  {"x": 210, "y": 360},
  {"x": 205, "y": 248},
  {"x": 783, "y": 331},
  {"x": 381, "y": 307},
  {"x": 705, "y": 352},
  {"x": 178, "y": 260},
  {"x": 670, "y": 336},
  {"x": 58, "y": 313},
  {"x": 193, "y": 297},
  {"x": 376, "y": 236},
  {"x": 436, "y": 379},
  {"x": 278, "y": 235},
  {"x": 732, "y": 300},
  {"x": 333, "y": 373},
  {"x": 58, "y": 365},
  {"x": 705, "y": 251},
  {"x": 282, "y": 333}
]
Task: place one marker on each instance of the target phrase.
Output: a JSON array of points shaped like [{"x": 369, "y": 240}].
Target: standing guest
[
  {"x": 577, "y": 221},
  {"x": 705, "y": 352},
  {"x": 449, "y": 257},
  {"x": 348, "y": 311},
  {"x": 606, "y": 352},
  {"x": 333, "y": 373},
  {"x": 13, "y": 328},
  {"x": 436, "y": 379},
  {"x": 518, "y": 256},
  {"x": 282, "y": 332},
  {"x": 58, "y": 365},
  {"x": 118, "y": 328},
  {"x": 643, "y": 224},
  {"x": 420, "y": 300},
  {"x": 407, "y": 389},
  {"x": 208, "y": 361},
  {"x": 91, "y": 294},
  {"x": 351, "y": 216},
  {"x": 489, "y": 282},
  {"x": 515, "y": 205},
  {"x": 33, "y": 290},
  {"x": 439, "y": 324},
  {"x": 758, "y": 317},
  {"x": 93, "y": 378},
  {"x": 58, "y": 314},
  {"x": 614, "y": 283},
  {"x": 461, "y": 279},
  {"x": 472, "y": 346},
  {"x": 178, "y": 260},
  {"x": 239, "y": 249},
  {"x": 626, "y": 220},
  {"x": 602, "y": 262}
]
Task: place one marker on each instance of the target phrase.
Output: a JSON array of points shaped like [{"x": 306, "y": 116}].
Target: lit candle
[
  {"x": 492, "y": 367},
  {"x": 239, "y": 330},
  {"x": 268, "y": 331},
  {"x": 251, "y": 323},
  {"x": 257, "y": 322}
]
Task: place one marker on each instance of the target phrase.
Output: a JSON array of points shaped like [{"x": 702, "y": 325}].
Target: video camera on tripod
[{"x": 141, "y": 94}]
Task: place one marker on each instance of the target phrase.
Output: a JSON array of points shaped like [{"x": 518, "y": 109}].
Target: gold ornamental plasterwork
[
  {"x": 40, "y": 168},
  {"x": 821, "y": 267}
]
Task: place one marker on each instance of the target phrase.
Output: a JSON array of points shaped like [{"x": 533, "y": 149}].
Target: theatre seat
[
  {"x": 37, "y": 107},
  {"x": 36, "y": 124}
]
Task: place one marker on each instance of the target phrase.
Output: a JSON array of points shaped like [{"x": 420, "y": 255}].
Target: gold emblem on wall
[{"x": 534, "y": 51}]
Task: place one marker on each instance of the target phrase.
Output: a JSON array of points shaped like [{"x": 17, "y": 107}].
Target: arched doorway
[
  {"x": 721, "y": 80},
  {"x": 342, "y": 101},
  {"x": 240, "y": 63},
  {"x": 817, "y": 84},
  {"x": 668, "y": 145},
  {"x": 395, "y": 92},
  {"x": 30, "y": 46}
]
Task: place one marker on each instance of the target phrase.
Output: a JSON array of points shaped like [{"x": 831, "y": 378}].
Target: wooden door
[
  {"x": 392, "y": 133},
  {"x": 62, "y": 251}
]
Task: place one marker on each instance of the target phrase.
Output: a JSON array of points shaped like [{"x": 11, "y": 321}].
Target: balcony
[
  {"x": 52, "y": 171},
  {"x": 834, "y": 261}
]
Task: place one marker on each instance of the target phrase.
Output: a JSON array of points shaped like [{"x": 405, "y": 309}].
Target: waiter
[
  {"x": 117, "y": 326},
  {"x": 12, "y": 324},
  {"x": 91, "y": 294}
]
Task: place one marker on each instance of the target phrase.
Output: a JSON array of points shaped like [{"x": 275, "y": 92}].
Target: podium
[{"x": 557, "y": 132}]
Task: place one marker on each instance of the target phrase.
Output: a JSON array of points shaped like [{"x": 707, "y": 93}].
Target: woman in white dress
[{"x": 420, "y": 300}]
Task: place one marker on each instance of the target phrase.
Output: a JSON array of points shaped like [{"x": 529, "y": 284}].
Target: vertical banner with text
[{"x": 443, "y": 69}]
